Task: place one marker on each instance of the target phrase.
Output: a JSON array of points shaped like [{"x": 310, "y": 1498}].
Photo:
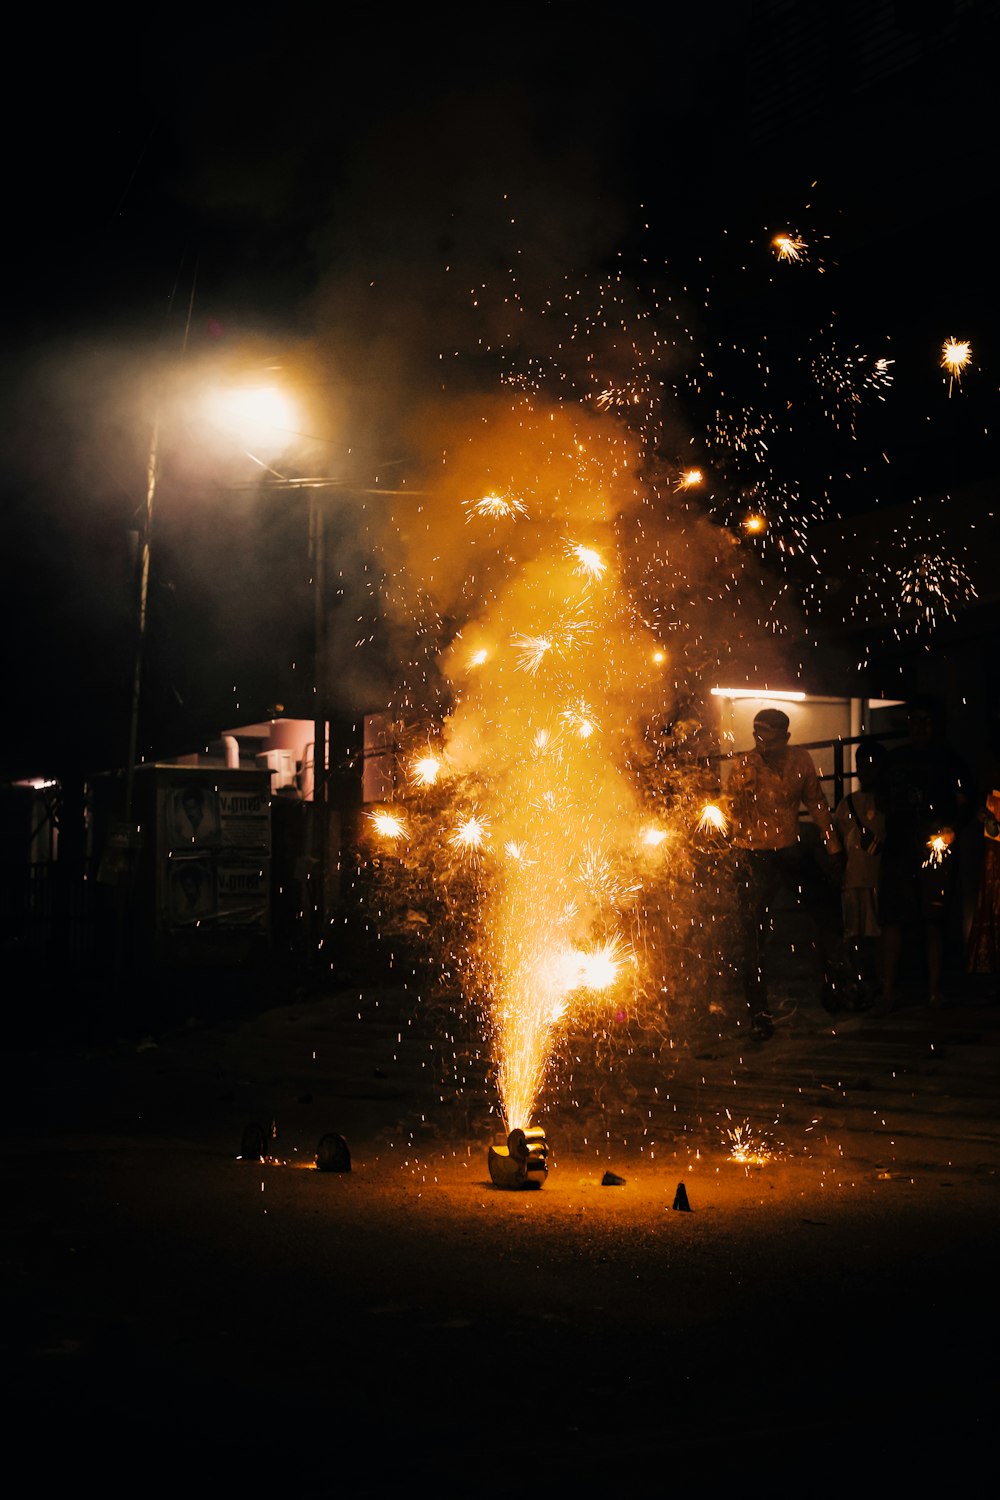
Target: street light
[{"x": 257, "y": 412}]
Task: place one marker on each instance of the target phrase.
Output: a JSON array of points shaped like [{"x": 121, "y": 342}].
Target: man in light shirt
[{"x": 766, "y": 787}]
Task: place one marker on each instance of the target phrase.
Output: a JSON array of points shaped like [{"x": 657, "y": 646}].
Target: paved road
[{"x": 173, "y": 1313}]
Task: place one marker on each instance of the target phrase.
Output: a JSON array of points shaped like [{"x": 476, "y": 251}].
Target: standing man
[{"x": 767, "y": 787}]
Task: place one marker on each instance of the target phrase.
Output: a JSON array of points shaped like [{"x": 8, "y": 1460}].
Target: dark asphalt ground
[{"x": 172, "y": 1314}]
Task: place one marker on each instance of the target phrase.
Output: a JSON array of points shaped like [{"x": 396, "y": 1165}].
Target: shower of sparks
[
  {"x": 788, "y": 246},
  {"x": 746, "y": 1147},
  {"x": 934, "y": 586},
  {"x": 712, "y": 819},
  {"x": 517, "y": 851},
  {"x": 775, "y": 515},
  {"x": 531, "y": 651},
  {"x": 388, "y": 825},
  {"x": 631, "y": 394},
  {"x": 654, "y": 837},
  {"x": 477, "y": 658},
  {"x": 496, "y": 507},
  {"x": 956, "y": 355},
  {"x": 745, "y": 434},
  {"x": 847, "y": 380},
  {"x": 603, "y": 879},
  {"x": 581, "y": 719},
  {"x": 938, "y": 848}
]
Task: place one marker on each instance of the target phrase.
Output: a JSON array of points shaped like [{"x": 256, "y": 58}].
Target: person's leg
[
  {"x": 813, "y": 889},
  {"x": 898, "y": 906},
  {"x": 892, "y": 948},
  {"x": 934, "y": 950},
  {"x": 937, "y": 892},
  {"x": 754, "y": 882}
]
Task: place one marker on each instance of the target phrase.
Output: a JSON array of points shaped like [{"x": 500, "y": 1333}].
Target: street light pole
[
  {"x": 125, "y": 838},
  {"x": 152, "y": 468},
  {"x": 317, "y": 547}
]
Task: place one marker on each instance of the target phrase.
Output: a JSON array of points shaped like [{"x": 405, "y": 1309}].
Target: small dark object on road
[
  {"x": 333, "y": 1154},
  {"x": 681, "y": 1199},
  {"x": 611, "y": 1179}
]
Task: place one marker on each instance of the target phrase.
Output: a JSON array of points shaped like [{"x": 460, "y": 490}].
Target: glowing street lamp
[
  {"x": 258, "y": 415},
  {"x": 259, "y": 412}
]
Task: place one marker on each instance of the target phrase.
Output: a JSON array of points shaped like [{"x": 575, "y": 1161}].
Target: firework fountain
[{"x": 561, "y": 858}]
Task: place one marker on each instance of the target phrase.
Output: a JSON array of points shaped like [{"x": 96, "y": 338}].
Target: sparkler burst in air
[
  {"x": 788, "y": 247},
  {"x": 388, "y": 825},
  {"x": 496, "y": 507},
  {"x": 471, "y": 833},
  {"x": 426, "y": 769},
  {"x": 690, "y": 479},
  {"x": 712, "y": 819},
  {"x": 531, "y": 651},
  {"x": 938, "y": 848},
  {"x": 956, "y": 356},
  {"x": 589, "y": 561}
]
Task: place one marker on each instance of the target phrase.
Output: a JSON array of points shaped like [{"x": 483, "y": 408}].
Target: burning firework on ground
[{"x": 747, "y": 1147}]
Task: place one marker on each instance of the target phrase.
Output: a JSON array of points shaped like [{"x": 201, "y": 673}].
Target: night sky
[{"x": 198, "y": 192}]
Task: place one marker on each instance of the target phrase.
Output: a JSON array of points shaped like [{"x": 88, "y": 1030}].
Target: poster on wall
[
  {"x": 198, "y": 815},
  {"x": 191, "y": 896},
  {"x": 191, "y": 816},
  {"x": 215, "y": 837},
  {"x": 244, "y": 818},
  {"x": 242, "y": 892}
]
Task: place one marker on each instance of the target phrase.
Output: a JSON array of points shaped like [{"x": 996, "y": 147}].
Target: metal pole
[
  {"x": 152, "y": 465},
  {"x": 127, "y": 835},
  {"x": 317, "y": 539},
  {"x": 838, "y": 772}
]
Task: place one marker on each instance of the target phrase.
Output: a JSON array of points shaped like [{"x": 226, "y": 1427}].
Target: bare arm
[{"x": 814, "y": 800}]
